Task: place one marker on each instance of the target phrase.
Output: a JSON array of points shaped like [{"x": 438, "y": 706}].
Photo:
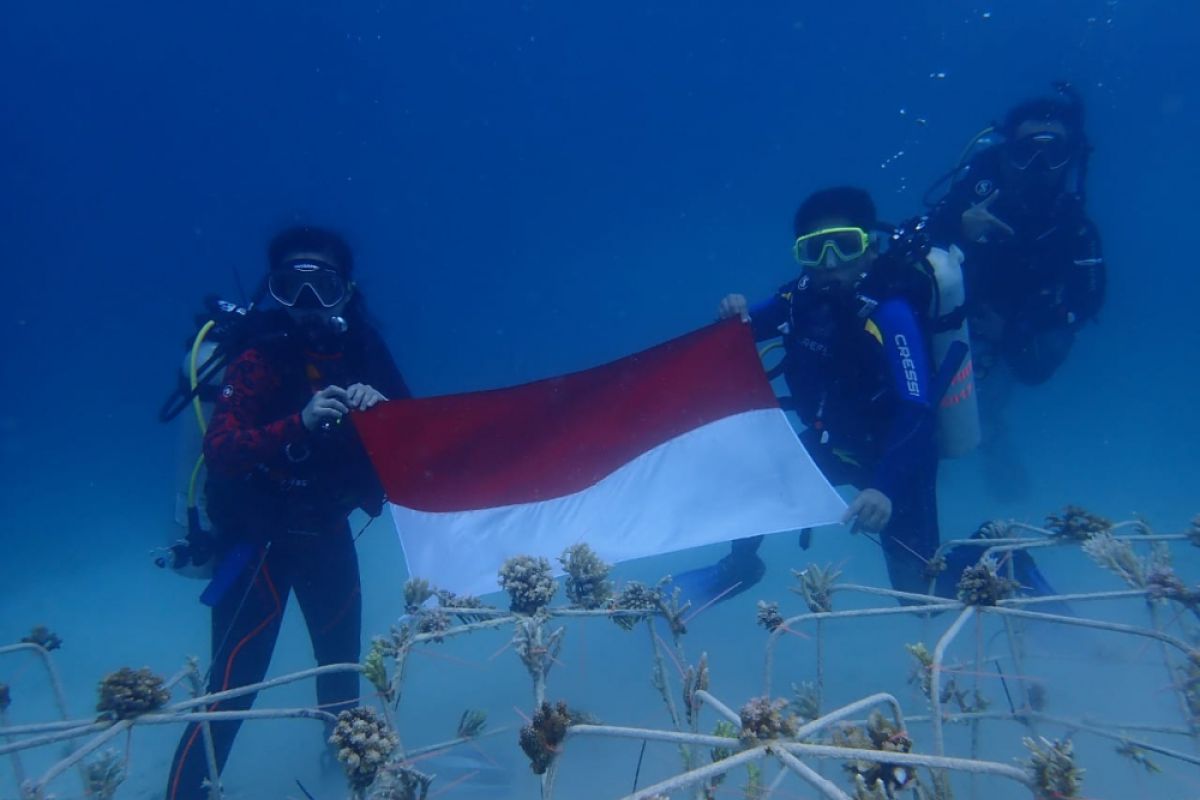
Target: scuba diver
[
  {"x": 859, "y": 363},
  {"x": 285, "y": 471},
  {"x": 1033, "y": 265}
]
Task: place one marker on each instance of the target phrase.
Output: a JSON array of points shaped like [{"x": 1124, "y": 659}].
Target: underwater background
[{"x": 533, "y": 188}]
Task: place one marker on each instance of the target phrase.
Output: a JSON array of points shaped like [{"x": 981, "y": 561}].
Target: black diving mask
[
  {"x": 1052, "y": 149},
  {"x": 327, "y": 287}
]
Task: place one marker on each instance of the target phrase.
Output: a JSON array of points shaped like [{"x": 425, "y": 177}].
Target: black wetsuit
[
  {"x": 1045, "y": 282},
  {"x": 283, "y": 495}
]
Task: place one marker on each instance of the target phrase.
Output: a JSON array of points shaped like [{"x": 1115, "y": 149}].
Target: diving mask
[
  {"x": 846, "y": 244},
  {"x": 326, "y": 285},
  {"x": 1052, "y": 148}
]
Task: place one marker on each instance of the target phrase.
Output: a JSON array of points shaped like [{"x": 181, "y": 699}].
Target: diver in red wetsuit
[{"x": 285, "y": 472}]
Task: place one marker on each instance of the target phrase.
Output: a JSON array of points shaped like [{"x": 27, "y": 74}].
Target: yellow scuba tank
[
  {"x": 187, "y": 550},
  {"x": 958, "y": 413}
]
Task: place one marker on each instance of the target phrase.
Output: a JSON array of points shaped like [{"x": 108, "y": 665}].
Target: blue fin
[
  {"x": 729, "y": 577},
  {"x": 1034, "y": 584}
]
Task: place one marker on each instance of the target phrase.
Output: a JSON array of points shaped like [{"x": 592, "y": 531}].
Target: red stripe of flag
[{"x": 558, "y": 436}]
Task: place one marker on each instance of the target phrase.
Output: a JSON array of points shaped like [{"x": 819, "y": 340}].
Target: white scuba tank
[
  {"x": 189, "y": 470},
  {"x": 958, "y": 413}
]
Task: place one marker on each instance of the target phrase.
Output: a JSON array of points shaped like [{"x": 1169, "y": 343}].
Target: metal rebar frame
[{"x": 795, "y": 751}]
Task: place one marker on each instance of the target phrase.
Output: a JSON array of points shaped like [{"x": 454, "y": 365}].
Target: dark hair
[
  {"x": 843, "y": 202},
  {"x": 309, "y": 239},
  {"x": 1064, "y": 109}
]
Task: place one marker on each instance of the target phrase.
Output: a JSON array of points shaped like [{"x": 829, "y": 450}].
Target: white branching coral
[
  {"x": 363, "y": 742},
  {"x": 587, "y": 583},
  {"x": 528, "y": 582}
]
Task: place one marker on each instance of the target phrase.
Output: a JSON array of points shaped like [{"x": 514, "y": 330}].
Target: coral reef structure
[
  {"x": 727, "y": 730},
  {"x": 129, "y": 693},
  {"x": 922, "y": 676},
  {"x": 635, "y": 596},
  {"x": 1077, "y": 524},
  {"x": 816, "y": 586},
  {"x": 363, "y": 743},
  {"x": 876, "y": 778},
  {"x": 587, "y": 583},
  {"x": 103, "y": 776},
  {"x": 1052, "y": 767},
  {"x": 768, "y": 615},
  {"x": 375, "y": 671},
  {"x": 763, "y": 720},
  {"x": 537, "y": 650},
  {"x": 43, "y": 637},
  {"x": 1138, "y": 756},
  {"x": 542, "y": 738},
  {"x": 695, "y": 679},
  {"x": 462, "y": 601},
  {"x": 416, "y": 592},
  {"x": 529, "y": 583},
  {"x": 471, "y": 723},
  {"x": 433, "y": 622},
  {"x": 1117, "y": 556},
  {"x": 982, "y": 585},
  {"x": 397, "y": 781},
  {"x": 805, "y": 701},
  {"x": 639, "y": 597}
]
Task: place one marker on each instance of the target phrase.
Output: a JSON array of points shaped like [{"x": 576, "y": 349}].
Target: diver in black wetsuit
[
  {"x": 1034, "y": 269},
  {"x": 858, "y": 366}
]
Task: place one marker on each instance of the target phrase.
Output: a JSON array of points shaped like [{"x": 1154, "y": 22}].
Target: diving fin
[
  {"x": 1034, "y": 584},
  {"x": 729, "y": 577}
]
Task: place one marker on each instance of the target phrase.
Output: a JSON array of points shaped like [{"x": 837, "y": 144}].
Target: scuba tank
[
  {"x": 941, "y": 287},
  {"x": 986, "y": 139},
  {"x": 224, "y": 331},
  {"x": 188, "y": 550},
  {"x": 958, "y": 429}
]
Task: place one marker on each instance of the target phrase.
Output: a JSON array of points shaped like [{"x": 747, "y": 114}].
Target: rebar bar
[
  {"x": 1074, "y": 724},
  {"x": 860, "y": 613},
  {"x": 935, "y": 676},
  {"x": 700, "y": 774},
  {"x": 722, "y": 709},
  {"x": 909, "y": 760},
  {"x": 821, "y": 723},
  {"x": 810, "y": 776}
]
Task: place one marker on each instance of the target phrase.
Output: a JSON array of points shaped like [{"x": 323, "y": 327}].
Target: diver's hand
[
  {"x": 361, "y": 396},
  {"x": 869, "y": 512},
  {"x": 328, "y": 405},
  {"x": 734, "y": 305},
  {"x": 979, "y": 224}
]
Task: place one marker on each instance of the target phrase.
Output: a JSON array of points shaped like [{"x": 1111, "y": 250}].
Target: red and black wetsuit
[{"x": 288, "y": 493}]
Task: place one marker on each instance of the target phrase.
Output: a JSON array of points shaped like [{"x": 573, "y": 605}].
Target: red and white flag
[{"x": 680, "y": 445}]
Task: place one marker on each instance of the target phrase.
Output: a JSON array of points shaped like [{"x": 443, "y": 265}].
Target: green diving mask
[{"x": 846, "y": 244}]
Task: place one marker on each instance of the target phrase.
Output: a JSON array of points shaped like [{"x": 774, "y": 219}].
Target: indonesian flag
[{"x": 681, "y": 445}]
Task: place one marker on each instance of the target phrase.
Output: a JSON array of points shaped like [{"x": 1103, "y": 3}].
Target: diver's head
[
  {"x": 1042, "y": 137},
  {"x": 309, "y": 276},
  {"x": 834, "y": 242}
]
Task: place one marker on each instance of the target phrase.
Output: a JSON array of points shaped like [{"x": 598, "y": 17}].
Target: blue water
[{"x": 533, "y": 188}]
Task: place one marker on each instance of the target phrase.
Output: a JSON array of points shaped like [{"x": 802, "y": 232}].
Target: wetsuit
[
  {"x": 1045, "y": 282},
  {"x": 284, "y": 494},
  {"x": 861, "y": 386}
]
